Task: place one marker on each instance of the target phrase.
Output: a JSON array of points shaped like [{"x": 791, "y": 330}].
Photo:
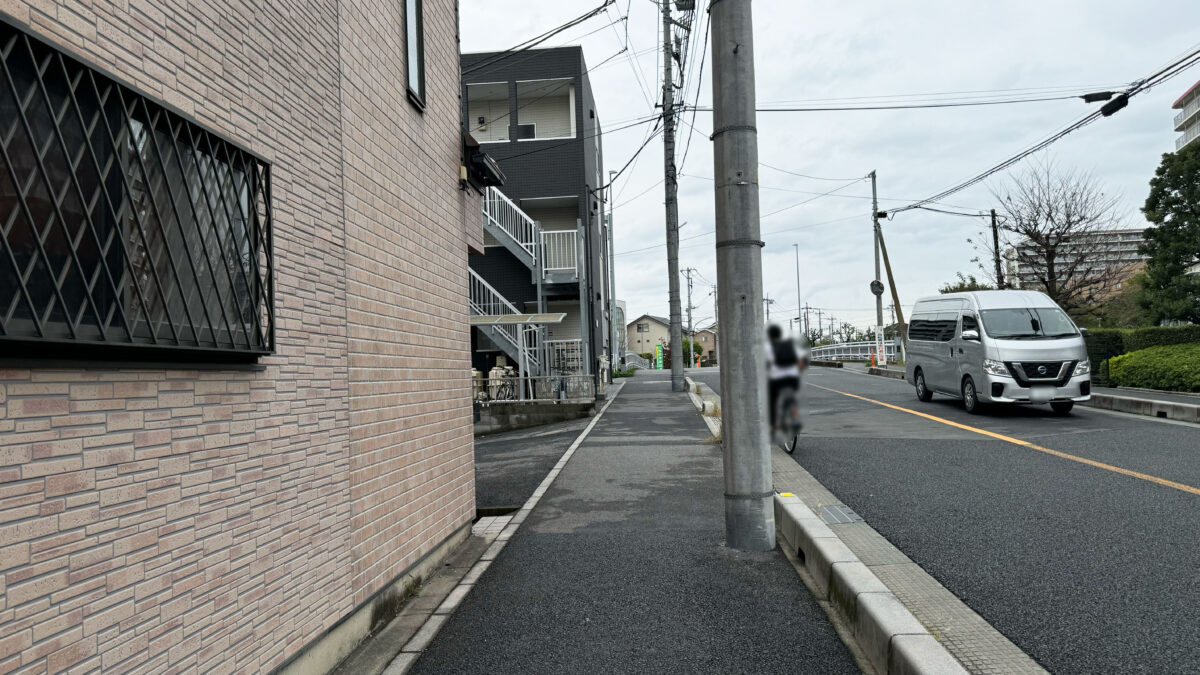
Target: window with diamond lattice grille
[{"x": 123, "y": 225}]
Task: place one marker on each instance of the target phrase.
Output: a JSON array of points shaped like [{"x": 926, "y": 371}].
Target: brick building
[{"x": 234, "y": 398}]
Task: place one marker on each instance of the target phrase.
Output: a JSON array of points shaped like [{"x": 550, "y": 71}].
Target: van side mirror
[
  {"x": 1083, "y": 332},
  {"x": 972, "y": 335}
]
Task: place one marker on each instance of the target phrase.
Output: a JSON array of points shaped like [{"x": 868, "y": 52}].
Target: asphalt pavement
[
  {"x": 621, "y": 567},
  {"x": 509, "y": 466},
  {"x": 1086, "y": 568}
]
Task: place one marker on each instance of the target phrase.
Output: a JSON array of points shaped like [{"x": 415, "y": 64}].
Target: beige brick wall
[{"x": 217, "y": 520}]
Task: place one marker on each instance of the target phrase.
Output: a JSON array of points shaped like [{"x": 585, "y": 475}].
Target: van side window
[
  {"x": 946, "y": 323},
  {"x": 921, "y": 327},
  {"x": 969, "y": 322}
]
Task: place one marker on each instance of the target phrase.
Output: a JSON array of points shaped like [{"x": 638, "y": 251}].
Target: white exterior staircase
[{"x": 523, "y": 344}]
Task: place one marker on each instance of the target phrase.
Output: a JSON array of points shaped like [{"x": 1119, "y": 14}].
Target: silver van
[{"x": 997, "y": 347}]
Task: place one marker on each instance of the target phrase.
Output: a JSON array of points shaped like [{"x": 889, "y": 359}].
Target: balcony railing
[
  {"x": 1187, "y": 137},
  {"x": 561, "y": 251},
  {"x": 1188, "y": 110}
]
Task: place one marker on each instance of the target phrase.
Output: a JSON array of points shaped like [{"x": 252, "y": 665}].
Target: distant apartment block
[
  {"x": 1187, "y": 121},
  {"x": 1105, "y": 250}
]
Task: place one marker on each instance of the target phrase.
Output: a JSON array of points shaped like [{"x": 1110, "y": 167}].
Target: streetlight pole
[
  {"x": 749, "y": 493},
  {"x": 799, "y": 300}
]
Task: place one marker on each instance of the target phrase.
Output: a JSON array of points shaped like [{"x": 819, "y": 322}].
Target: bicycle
[{"x": 788, "y": 421}]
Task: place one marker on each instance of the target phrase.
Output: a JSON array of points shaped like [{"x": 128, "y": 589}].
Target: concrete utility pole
[
  {"x": 668, "y": 106},
  {"x": 878, "y": 296},
  {"x": 691, "y": 349},
  {"x": 614, "y": 354},
  {"x": 749, "y": 509},
  {"x": 996, "y": 251},
  {"x": 820, "y": 324},
  {"x": 799, "y": 300},
  {"x": 767, "y": 302}
]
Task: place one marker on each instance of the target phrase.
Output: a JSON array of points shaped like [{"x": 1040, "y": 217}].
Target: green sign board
[{"x": 658, "y": 357}]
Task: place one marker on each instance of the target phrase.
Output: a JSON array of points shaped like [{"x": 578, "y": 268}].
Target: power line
[
  {"x": 909, "y": 106},
  {"x": 954, "y": 95},
  {"x": 810, "y": 199},
  {"x": 583, "y": 137},
  {"x": 1113, "y": 105},
  {"x": 537, "y": 40},
  {"x": 801, "y": 175}
]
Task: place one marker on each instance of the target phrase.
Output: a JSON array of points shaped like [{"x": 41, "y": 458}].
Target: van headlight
[
  {"x": 1082, "y": 368},
  {"x": 996, "y": 368}
]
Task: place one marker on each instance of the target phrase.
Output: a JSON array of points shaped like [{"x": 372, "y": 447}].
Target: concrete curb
[
  {"x": 707, "y": 403},
  {"x": 890, "y": 636},
  {"x": 1171, "y": 410},
  {"x": 886, "y": 372},
  {"x": 411, "y": 651}
]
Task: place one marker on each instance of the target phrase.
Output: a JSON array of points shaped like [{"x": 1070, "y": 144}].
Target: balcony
[
  {"x": 1186, "y": 115},
  {"x": 1187, "y": 137},
  {"x": 561, "y": 251}
]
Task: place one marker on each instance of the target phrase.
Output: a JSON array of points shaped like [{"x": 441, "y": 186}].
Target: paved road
[
  {"x": 1086, "y": 569},
  {"x": 510, "y": 466},
  {"x": 621, "y": 569}
]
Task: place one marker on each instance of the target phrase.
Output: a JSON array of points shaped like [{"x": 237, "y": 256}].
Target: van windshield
[{"x": 1042, "y": 323}]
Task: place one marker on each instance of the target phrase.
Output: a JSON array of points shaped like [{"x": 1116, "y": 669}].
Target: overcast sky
[{"x": 844, "y": 50}]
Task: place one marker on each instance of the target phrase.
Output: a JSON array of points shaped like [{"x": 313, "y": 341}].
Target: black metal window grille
[{"x": 122, "y": 224}]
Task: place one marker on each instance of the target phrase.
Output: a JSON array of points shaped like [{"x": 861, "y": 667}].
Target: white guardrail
[{"x": 852, "y": 351}]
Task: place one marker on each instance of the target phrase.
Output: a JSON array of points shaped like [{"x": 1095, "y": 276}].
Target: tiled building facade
[{"x": 204, "y": 517}]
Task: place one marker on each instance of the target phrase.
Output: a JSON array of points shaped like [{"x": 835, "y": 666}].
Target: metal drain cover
[{"x": 838, "y": 515}]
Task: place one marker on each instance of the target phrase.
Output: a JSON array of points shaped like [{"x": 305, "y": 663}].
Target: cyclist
[{"x": 785, "y": 360}]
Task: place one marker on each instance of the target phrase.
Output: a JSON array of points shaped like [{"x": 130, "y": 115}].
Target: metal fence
[
  {"x": 636, "y": 361},
  {"x": 561, "y": 250},
  {"x": 513, "y": 387},
  {"x": 852, "y": 351},
  {"x": 565, "y": 356}
]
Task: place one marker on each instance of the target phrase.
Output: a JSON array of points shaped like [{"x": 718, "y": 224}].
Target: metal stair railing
[
  {"x": 483, "y": 299},
  {"x": 500, "y": 212}
]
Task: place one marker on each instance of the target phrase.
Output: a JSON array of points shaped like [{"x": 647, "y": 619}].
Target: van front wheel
[
  {"x": 923, "y": 393},
  {"x": 970, "y": 398}
]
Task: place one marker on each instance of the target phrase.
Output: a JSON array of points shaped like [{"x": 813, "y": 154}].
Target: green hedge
[
  {"x": 1169, "y": 367},
  {"x": 1137, "y": 339},
  {"x": 1105, "y": 343}
]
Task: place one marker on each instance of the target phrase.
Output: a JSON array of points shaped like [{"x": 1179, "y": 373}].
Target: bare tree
[
  {"x": 1057, "y": 226},
  {"x": 846, "y": 332}
]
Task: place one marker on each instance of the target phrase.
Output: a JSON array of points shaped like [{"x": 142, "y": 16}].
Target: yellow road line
[{"x": 1027, "y": 444}]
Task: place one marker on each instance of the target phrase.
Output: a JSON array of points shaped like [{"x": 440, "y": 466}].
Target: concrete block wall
[{"x": 218, "y": 519}]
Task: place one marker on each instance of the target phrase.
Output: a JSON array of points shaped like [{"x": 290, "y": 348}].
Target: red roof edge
[{"x": 1177, "y": 103}]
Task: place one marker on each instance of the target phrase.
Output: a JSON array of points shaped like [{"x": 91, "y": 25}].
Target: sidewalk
[{"x": 621, "y": 568}]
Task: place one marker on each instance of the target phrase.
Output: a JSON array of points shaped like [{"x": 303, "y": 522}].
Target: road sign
[{"x": 880, "y": 352}]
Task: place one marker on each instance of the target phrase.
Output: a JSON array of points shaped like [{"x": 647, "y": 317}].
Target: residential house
[
  {"x": 546, "y": 240},
  {"x": 647, "y": 330},
  {"x": 235, "y": 414}
]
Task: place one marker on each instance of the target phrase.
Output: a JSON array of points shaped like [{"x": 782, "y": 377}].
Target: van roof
[{"x": 998, "y": 299}]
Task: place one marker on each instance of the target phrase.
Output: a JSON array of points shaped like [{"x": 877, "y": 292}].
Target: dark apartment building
[{"x": 546, "y": 237}]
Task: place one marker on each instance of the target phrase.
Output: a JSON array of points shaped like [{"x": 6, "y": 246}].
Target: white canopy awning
[{"x": 517, "y": 319}]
